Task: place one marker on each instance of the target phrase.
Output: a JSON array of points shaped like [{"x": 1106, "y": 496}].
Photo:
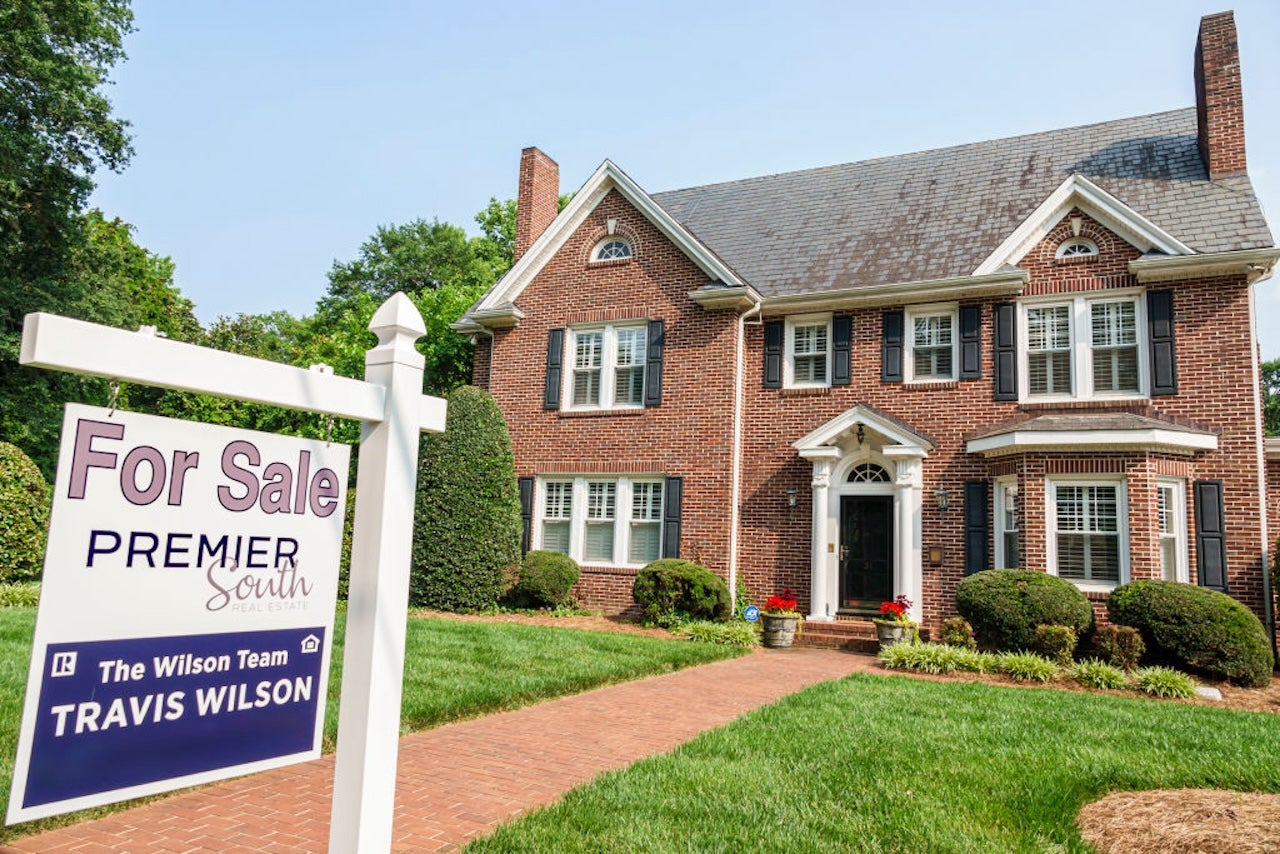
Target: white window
[
  {"x": 605, "y": 519},
  {"x": 1077, "y": 247},
  {"x": 606, "y": 368},
  {"x": 809, "y": 351},
  {"x": 932, "y": 351},
  {"x": 1083, "y": 348},
  {"x": 1087, "y": 532},
  {"x": 1171, "y": 509},
  {"x": 612, "y": 249},
  {"x": 1008, "y": 555}
]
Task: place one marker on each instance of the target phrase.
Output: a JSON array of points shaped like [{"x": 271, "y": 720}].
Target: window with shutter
[
  {"x": 1084, "y": 347},
  {"x": 808, "y": 357},
  {"x": 604, "y": 519},
  {"x": 608, "y": 367}
]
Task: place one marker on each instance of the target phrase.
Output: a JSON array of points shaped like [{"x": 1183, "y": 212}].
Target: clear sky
[{"x": 273, "y": 138}]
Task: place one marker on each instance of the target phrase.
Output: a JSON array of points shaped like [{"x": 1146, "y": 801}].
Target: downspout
[
  {"x": 736, "y": 485},
  {"x": 1268, "y": 606}
]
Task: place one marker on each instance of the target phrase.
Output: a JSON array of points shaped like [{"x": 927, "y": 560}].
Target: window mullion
[
  {"x": 1081, "y": 349},
  {"x": 608, "y": 365},
  {"x": 578, "y": 519},
  {"x": 621, "y": 526}
]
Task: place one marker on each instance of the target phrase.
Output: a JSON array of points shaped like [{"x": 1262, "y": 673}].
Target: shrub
[
  {"x": 344, "y": 562},
  {"x": 1119, "y": 646},
  {"x": 467, "y": 520},
  {"x": 1196, "y": 628},
  {"x": 1057, "y": 643},
  {"x": 936, "y": 658},
  {"x": 1027, "y": 666},
  {"x": 1165, "y": 682},
  {"x": 735, "y": 633},
  {"x": 23, "y": 594},
  {"x": 24, "y": 516},
  {"x": 1004, "y": 606},
  {"x": 956, "y": 631},
  {"x": 545, "y": 579},
  {"x": 671, "y": 589},
  {"x": 1092, "y": 673}
]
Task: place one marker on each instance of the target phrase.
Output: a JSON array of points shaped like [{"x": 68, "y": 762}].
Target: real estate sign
[{"x": 186, "y": 610}]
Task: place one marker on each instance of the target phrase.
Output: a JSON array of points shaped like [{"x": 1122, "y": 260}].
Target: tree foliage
[
  {"x": 1271, "y": 397},
  {"x": 466, "y": 537},
  {"x": 24, "y": 516}
]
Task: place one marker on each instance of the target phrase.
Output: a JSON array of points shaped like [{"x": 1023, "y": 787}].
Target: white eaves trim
[
  {"x": 1149, "y": 439},
  {"x": 1255, "y": 263},
  {"x": 1079, "y": 191},
  {"x": 607, "y": 177},
  {"x": 1000, "y": 283},
  {"x": 820, "y": 441},
  {"x": 1271, "y": 447}
]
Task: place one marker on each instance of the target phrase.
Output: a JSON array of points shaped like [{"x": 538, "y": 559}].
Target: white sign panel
[{"x": 186, "y": 610}]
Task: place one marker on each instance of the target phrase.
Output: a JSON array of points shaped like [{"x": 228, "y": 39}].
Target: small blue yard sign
[{"x": 752, "y": 613}]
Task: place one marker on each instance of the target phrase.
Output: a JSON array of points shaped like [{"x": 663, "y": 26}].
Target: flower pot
[
  {"x": 779, "y": 631},
  {"x": 890, "y": 632}
]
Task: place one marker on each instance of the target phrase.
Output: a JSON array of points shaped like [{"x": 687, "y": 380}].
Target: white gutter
[
  {"x": 1005, "y": 282},
  {"x": 1268, "y": 604},
  {"x": 1256, "y": 263},
  {"x": 736, "y": 484}
]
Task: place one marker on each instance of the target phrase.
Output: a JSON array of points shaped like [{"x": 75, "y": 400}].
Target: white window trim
[
  {"x": 1082, "y": 346},
  {"x": 578, "y": 515},
  {"x": 789, "y": 363},
  {"x": 951, "y": 310},
  {"x": 1122, "y": 525},
  {"x": 998, "y": 507},
  {"x": 1182, "y": 571},
  {"x": 608, "y": 366},
  {"x": 612, "y": 238}
]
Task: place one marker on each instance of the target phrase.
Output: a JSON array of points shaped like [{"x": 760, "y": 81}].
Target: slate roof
[
  {"x": 939, "y": 214},
  {"x": 1084, "y": 422}
]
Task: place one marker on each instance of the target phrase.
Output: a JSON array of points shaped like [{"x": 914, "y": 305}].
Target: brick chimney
[
  {"x": 537, "y": 199},
  {"x": 1219, "y": 101}
]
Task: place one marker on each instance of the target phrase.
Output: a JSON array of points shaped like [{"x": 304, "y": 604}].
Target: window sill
[
  {"x": 612, "y": 262},
  {"x": 931, "y": 385},
  {"x": 610, "y": 569},
  {"x": 805, "y": 391},
  {"x": 600, "y": 413},
  {"x": 1040, "y": 403}
]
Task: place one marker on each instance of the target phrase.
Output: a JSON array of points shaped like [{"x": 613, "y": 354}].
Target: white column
[
  {"x": 822, "y": 579},
  {"x": 908, "y": 571},
  {"x": 373, "y": 661}
]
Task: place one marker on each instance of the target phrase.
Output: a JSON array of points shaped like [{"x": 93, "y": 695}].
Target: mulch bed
[{"x": 1179, "y": 821}]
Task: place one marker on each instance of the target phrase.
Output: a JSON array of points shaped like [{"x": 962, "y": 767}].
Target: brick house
[{"x": 875, "y": 378}]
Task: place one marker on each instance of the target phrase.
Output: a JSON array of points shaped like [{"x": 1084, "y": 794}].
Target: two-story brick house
[{"x": 871, "y": 379}]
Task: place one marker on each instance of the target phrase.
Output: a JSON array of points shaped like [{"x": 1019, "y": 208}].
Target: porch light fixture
[
  {"x": 940, "y": 494},
  {"x": 862, "y": 433},
  {"x": 793, "y": 497}
]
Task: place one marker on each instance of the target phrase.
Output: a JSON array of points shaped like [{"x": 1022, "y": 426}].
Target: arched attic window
[
  {"x": 1077, "y": 247},
  {"x": 612, "y": 248}
]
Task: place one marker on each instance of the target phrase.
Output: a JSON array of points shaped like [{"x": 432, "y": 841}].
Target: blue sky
[{"x": 273, "y": 138}]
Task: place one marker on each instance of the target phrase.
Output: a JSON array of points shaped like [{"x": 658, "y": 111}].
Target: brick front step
[{"x": 848, "y": 635}]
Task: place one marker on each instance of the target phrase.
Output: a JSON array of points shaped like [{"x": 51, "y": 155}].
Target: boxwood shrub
[
  {"x": 1195, "y": 628},
  {"x": 1004, "y": 606},
  {"x": 545, "y": 579},
  {"x": 24, "y": 516},
  {"x": 670, "y": 590}
]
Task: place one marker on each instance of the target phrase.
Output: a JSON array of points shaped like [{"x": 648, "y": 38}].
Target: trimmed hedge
[
  {"x": 1196, "y": 628},
  {"x": 545, "y": 579},
  {"x": 24, "y": 516},
  {"x": 1004, "y": 606},
  {"x": 466, "y": 533},
  {"x": 670, "y": 590}
]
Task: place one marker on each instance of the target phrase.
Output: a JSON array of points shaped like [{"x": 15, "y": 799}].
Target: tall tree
[{"x": 1271, "y": 397}]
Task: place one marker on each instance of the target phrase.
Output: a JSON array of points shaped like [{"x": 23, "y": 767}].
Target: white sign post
[{"x": 394, "y": 411}]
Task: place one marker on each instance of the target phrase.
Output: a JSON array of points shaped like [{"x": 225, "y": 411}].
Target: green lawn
[
  {"x": 453, "y": 670},
  {"x": 885, "y": 763}
]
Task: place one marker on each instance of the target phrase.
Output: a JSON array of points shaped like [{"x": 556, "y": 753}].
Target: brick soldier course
[{"x": 459, "y": 781}]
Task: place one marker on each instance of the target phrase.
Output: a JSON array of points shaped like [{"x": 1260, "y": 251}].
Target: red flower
[{"x": 784, "y": 602}]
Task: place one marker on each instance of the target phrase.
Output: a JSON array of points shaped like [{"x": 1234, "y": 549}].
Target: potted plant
[
  {"x": 781, "y": 619},
  {"x": 893, "y": 625}
]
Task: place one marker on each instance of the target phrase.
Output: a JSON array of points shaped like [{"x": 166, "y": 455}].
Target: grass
[
  {"x": 453, "y": 670},
  {"x": 878, "y": 763}
]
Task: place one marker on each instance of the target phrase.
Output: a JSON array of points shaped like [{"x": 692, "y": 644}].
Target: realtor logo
[
  {"x": 310, "y": 643},
  {"x": 64, "y": 664}
]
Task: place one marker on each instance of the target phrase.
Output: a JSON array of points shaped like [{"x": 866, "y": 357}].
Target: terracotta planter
[
  {"x": 890, "y": 632},
  {"x": 779, "y": 631}
]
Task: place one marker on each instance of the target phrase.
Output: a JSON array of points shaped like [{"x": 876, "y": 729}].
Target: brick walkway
[{"x": 459, "y": 781}]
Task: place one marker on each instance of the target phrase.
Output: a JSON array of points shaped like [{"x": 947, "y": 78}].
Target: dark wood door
[{"x": 866, "y": 552}]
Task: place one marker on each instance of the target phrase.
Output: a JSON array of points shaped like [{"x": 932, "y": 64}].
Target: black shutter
[
  {"x": 976, "y": 529},
  {"x": 555, "y": 362},
  {"x": 526, "y": 513},
  {"x": 841, "y": 341},
  {"x": 773, "y": 335},
  {"x": 1211, "y": 535},
  {"x": 891, "y": 347},
  {"x": 1164, "y": 369},
  {"x": 970, "y": 342},
  {"x": 653, "y": 366},
  {"x": 1004, "y": 345},
  {"x": 671, "y": 517}
]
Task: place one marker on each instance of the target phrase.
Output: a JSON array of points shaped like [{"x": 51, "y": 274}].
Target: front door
[{"x": 866, "y": 552}]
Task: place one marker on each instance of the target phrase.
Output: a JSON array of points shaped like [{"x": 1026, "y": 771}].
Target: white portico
[{"x": 867, "y": 499}]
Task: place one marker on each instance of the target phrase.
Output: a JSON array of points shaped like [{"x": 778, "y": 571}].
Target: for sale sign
[{"x": 186, "y": 609}]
